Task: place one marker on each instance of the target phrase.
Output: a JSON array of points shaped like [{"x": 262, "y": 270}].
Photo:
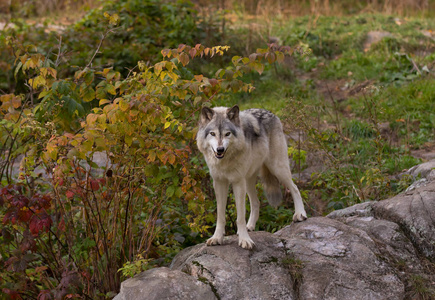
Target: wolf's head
[{"x": 218, "y": 127}]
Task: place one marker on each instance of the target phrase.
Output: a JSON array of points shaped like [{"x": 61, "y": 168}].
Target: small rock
[{"x": 375, "y": 37}]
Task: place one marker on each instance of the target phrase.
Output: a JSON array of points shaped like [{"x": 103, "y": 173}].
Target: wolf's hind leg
[
  {"x": 255, "y": 203},
  {"x": 284, "y": 175},
  {"x": 221, "y": 191},
  {"x": 300, "y": 214}
]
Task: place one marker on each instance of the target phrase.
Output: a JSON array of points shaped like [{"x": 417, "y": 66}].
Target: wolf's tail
[{"x": 271, "y": 187}]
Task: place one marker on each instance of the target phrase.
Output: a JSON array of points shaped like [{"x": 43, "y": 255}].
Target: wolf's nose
[{"x": 220, "y": 150}]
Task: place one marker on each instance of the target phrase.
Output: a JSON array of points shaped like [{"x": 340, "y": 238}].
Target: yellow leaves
[
  {"x": 252, "y": 57},
  {"x": 270, "y": 57},
  {"x": 279, "y": 57},
  {"x": 91, "y": 119},
  {"x": 32, "y": 62},
  {"x": 183, "y": 52},
  {"x": 168, "y": 65},
  {"x": 110, "y": 89},
  {"x": 102, "y": 119},
  {"x": 51, "y": 149},
  {"x": 259, "y": 67},
  {"x": 113, "y": 19},
  {"x": 183, "y": 58},
  {"x": 128, "y": 140},
  {"x": 159, "y": 66},
  {"x": 87, "y": 93},
  {"x": 36, "y": 82},
  {"x": 151, "y": 156},
  {"x": 171, "y": 158},
  {"x": 16, "y": 101},
  {"x": 104, "y": 101},
  {"x": 10, "y": 101},
  {"x": 166, "y": 52},
  {"x": 48, "y": 71},
  {"x": 219, "y": 50},
  {"x": 123, "y": 105}
]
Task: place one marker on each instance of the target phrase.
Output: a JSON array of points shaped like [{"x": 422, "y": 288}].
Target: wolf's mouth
[{"x": 219, "y": 155}]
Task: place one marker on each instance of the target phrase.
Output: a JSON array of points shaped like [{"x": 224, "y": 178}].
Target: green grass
[{"x": 400, "y": 94}]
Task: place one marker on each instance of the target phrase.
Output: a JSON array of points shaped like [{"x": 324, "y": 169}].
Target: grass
[{"x": 368, "y": 108}]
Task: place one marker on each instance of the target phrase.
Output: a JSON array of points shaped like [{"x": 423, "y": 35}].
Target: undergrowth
[{"x": 74, "y": 227}]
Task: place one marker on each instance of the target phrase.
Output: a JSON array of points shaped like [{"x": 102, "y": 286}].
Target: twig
[
  {"x": 335, "y": 109},
  {"x": 103, "y": 37},
  {"x": 415, "y": 66},
  {"x": 130, "y": 71},
  {"x": 59, "y": 53},
  {"x": 31, "y": 93}
]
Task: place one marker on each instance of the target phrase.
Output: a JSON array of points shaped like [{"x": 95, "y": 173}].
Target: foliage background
[{"x": 100, "y": 175}]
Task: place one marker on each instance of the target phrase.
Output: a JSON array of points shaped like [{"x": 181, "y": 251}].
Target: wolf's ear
[
  {"x": 233, "y": 114},
  {"x": 206, "y": 114}
]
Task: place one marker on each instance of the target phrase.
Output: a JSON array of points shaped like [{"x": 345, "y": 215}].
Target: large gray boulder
[
  {"x": 163, "y": 283},
  {"x": 373, "y": 250}
]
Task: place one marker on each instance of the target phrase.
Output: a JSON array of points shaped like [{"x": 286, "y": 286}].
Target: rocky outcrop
[
  {"x": 164, "y": 283},
  {"x": 422, "y": 174},
  {"x": 373, "y": 250}
]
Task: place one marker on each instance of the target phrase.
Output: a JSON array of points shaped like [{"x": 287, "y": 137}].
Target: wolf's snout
[{"x": 220, "y": 152}]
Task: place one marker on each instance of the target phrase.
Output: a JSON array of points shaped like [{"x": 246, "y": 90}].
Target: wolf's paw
[
  {"x": 250, "y": 227},
  {"x": 246, "y": 243},
  {"x": 299, "y": 216},
  {"x": 215, "y": 241}
]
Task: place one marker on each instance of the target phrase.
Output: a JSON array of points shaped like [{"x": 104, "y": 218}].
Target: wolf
[{"x": 238, "y": 146}]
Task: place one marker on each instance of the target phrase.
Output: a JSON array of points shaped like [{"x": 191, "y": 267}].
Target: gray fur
[
  {"x": 253, "y": 143},
  {"x": 271, "y": 187}
]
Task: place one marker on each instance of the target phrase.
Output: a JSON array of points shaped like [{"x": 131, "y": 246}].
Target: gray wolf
[{"x": 238, "y": 146}]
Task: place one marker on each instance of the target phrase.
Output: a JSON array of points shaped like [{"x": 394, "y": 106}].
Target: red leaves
[
  {"x": 12, "y": 294},
  {"x": 45, "y": 295},
  {"x": 70, "y": 194},
  {"x": 95, "y": 186},
  {"x": 27, "y": 211},
  {"x": 40, "y": 221}
]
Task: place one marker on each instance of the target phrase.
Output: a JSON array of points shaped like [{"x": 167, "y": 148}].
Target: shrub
[{"x": 86, "y": 225}]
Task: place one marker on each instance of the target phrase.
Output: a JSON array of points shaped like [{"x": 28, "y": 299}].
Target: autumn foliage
[{"x": 110, "y": 180}]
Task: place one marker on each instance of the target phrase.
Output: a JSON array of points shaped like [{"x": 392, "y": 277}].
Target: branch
[
  {"x": 103, "y": 37},
  {"x": 59, "y": 53}
]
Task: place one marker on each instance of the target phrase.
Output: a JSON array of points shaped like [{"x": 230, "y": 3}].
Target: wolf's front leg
[
  {"x": 221, "y": 191},
  {"x": 245, "y": 240}
]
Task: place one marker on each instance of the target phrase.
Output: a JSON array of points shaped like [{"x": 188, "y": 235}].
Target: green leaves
[{"x": 144, "y": 126}]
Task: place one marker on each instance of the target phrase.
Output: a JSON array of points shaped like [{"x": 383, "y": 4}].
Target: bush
[{"x": 82, "y": 226}]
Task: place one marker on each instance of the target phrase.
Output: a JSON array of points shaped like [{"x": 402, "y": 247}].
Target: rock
[
  {"x": 340, "y": 262},
  {"x": 235, "y": 273},
  {"x": 305, "y": 175},
  {"x": 361, "y": 210},
  {"x": 424, "y": 170},
  {"x": 429, "y": 34},
  {"x": 375, "y": 37},
  {"x": 163, "y": 283},
  {"x": 414, "y": 212},
  {"x": 422, "y": 173},
  {"x": 373, "y": 250}
]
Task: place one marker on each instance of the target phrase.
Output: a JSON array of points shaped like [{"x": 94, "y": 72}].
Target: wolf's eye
[
  {"x": 212, "y": 133},
  {"x": 228, "y": 134}
]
